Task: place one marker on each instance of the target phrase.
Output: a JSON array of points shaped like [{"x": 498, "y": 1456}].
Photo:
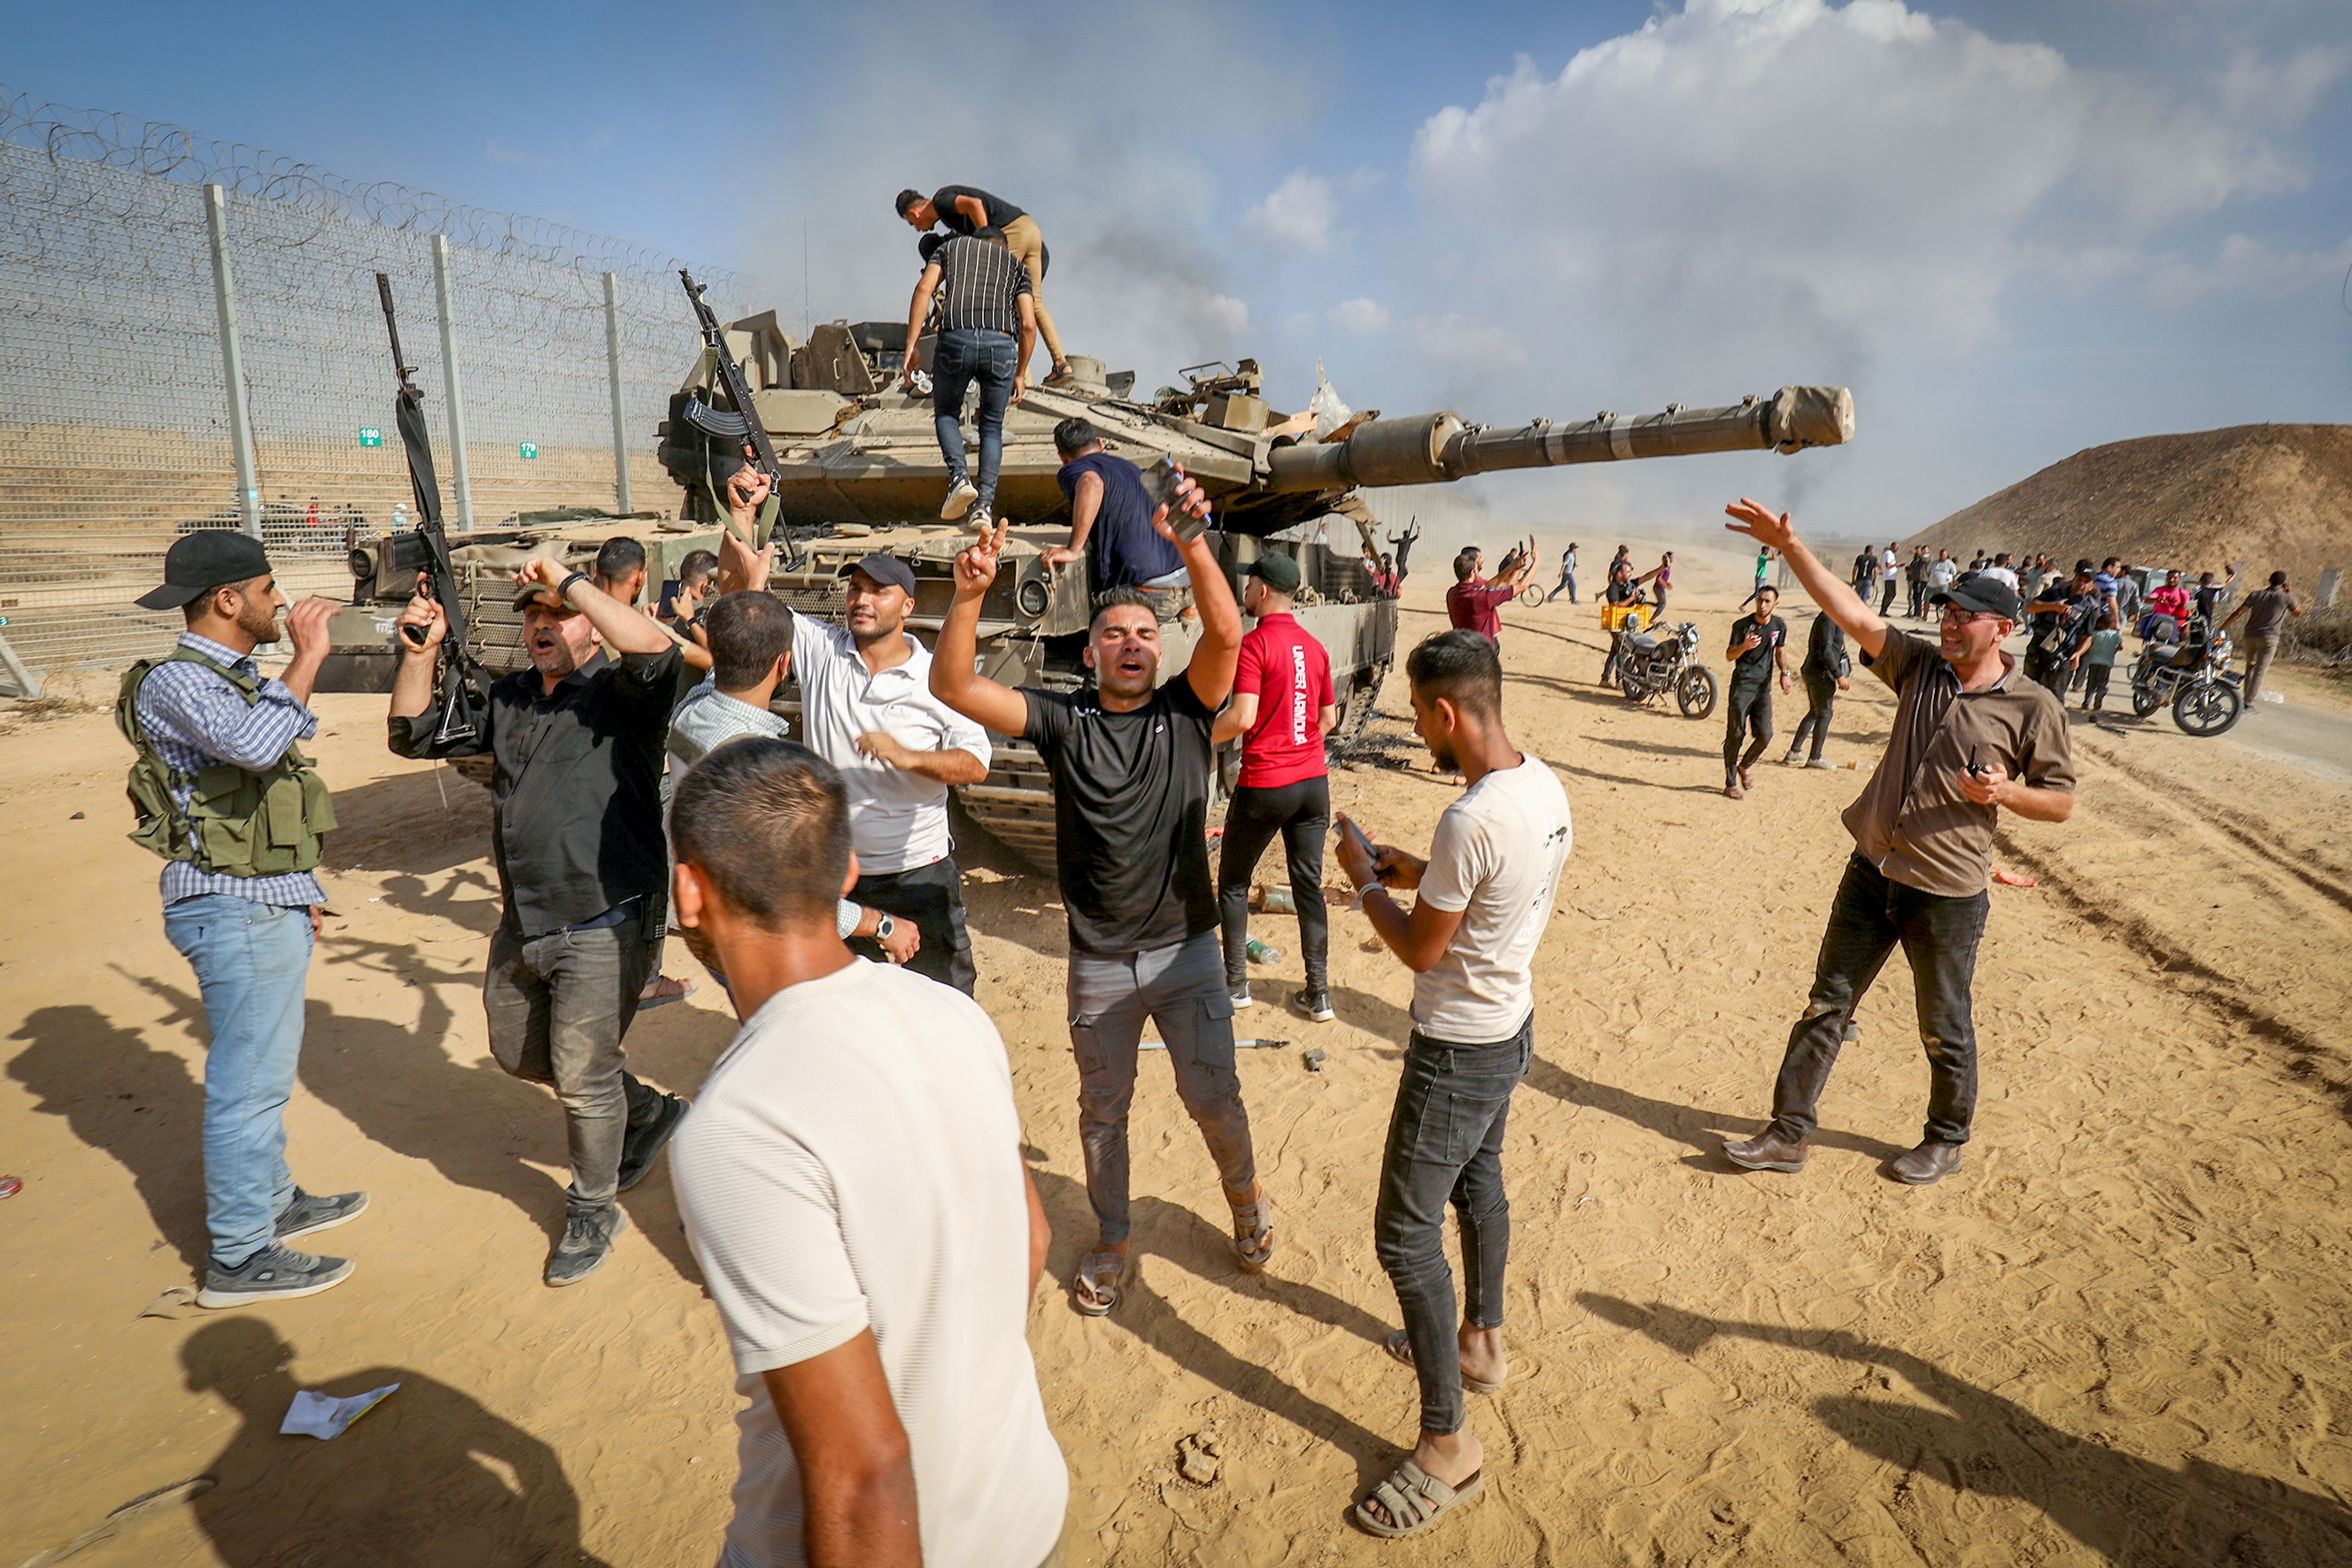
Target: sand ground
[{"x": 2118, "y": 1334}]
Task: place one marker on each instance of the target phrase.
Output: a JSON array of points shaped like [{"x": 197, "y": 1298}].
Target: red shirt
[
  {"x": 1471, "y": 606},
  {"x": 1290, "y": 675}
]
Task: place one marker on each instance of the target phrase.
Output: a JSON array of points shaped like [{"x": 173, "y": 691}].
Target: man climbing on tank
[
  {"x": 985, "y": 299},
  {"x": 967, "y": 210}
]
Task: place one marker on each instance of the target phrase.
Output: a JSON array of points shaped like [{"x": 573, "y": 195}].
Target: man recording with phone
[{"x": 1973, "y": 737}]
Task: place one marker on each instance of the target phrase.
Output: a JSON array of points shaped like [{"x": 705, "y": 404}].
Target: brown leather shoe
[
  {"x": 1931, "y": 1161},
  {"x": 1767, "y": 1151}
]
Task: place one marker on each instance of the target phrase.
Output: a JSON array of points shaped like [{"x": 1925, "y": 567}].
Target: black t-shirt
[
  {"x": 1000, "y": 210},
  {"x": 1755, "y": 666},
  {"x": 1825, "y": 656},
  {"x": 1130, "y": 815}
]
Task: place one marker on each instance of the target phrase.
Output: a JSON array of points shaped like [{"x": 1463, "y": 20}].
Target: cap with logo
[
  {"x": 887, "y": 569},
  {"x": 207, "y": 558},
  {"x": 1277, "y": 570},
  {"x": 1979, "y": 592}
]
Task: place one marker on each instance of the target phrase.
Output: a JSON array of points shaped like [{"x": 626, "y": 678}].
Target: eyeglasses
[{"x": 1962, "y": 617}]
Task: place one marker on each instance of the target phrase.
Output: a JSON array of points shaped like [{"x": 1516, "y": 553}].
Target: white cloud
[
  {"x": 1360, "y": 316},
  {"x": 2245, "y": 264},
  {"x": 1822, "y": 182},
  {"x": 1295, "y": 217},
  {"x": 1458, "y": 343},
  {"x": 1222, "y": 313}
]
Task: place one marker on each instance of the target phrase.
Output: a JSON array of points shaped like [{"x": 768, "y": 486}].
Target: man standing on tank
[
  {"x": 1282, "y": 707},
  {"x": 985, "y": 297},
  {"x": 967, "y": 210},
  {"x": 1130, "y": 760}
]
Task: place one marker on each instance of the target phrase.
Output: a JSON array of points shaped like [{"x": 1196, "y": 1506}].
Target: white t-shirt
[
  {"x": 853, "y": 1162},
  {"x": 1887, "y": 566},
  {"x": 2002, "y": 574},
  {"x": 1497, "y": 857},
  {"x": 898, "y": 820},
  {"x": 1940, "y": 573}
]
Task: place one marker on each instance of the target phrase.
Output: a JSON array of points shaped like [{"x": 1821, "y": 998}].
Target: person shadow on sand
[{"x": 427, "y": 1479}]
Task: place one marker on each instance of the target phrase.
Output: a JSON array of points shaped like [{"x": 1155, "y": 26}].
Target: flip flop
[
  {"x": 1416, "y": 1499},
  {"x": 664, "y": 991},
  {"x": 1400, "y": 1345},
  {"x": 1094, "y": 1291},
  {"x": 1253, "y": 1233}
]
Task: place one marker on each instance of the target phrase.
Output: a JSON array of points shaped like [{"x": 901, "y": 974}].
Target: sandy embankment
[{"x": 2116, "y": 1335}]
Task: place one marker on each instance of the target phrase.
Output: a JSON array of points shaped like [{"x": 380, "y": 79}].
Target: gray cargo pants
[{"x": 1180, "y": 987}]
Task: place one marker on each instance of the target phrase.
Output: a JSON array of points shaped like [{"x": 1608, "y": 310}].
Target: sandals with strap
[
  {"x": 1415, "y": 1501},
  {"x": 1253, "y": 1233},
  {"x": 1094, "y": 1291},
  {"x": 1400, "y": 1345}
]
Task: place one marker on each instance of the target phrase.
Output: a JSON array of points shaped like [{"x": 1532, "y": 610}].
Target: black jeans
[
  {"x": 1940, "y": 936},
  {"x": 1746, "y": 711},
  {"x": 1821, "y": 701},
  {"x": 1918, "y": 599},
  {"x": 2094, "y": 686},
  {"x": 1446, "y": 1144},
  {"x": 1885, "y": 595},
  {"x": 931, "y": 897},
  {"x": 1301, "y": 813}
]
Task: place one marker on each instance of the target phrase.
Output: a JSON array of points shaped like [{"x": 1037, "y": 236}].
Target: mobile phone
[
  {"x": 1160, "y": 491},
  {"x": 1975, "y": 765},
  {"x": 669, "y": 592},
  {"x": 1356, "y": 834}
]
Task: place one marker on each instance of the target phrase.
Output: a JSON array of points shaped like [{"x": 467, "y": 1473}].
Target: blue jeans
[
  {"x": 1445, "y": 1143},
  {"x": 958, "y": 360},
  {"x": 251, "y": 962}
]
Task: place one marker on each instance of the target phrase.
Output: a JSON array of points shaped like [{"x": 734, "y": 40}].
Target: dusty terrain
[
  {"x": 2276, "y": 496},
  {"x": 2118, "y": 1334}
]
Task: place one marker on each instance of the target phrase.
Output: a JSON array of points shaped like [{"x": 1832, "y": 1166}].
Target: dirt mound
[{"x": 2274, "y": 496}]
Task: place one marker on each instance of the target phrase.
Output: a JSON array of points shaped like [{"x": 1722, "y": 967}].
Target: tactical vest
[{"x": 236, "y": 823}]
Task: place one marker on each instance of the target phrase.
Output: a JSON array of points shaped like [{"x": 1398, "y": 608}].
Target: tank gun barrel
[{"x": 1439, "y": 448}]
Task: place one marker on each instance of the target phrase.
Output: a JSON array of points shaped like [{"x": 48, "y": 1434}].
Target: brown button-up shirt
[{"x": 1912, "y": 821}]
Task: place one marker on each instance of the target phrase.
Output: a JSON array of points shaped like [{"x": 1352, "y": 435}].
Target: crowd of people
[{"x": 850, "y": 1171}]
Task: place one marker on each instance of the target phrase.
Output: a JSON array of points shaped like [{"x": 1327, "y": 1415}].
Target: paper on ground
[{"x": 317, "y": 1415}]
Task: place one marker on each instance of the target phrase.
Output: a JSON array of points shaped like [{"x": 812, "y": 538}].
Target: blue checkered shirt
[{"x": 197, "y": 718}]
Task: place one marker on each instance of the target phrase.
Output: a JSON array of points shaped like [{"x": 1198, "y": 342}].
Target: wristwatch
[{"x": 883, "y": 927}]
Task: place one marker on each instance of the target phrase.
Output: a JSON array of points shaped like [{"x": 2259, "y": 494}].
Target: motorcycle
[
  {"x": 2194, "y": 676},
  {"x": 1650, "y": 667}
]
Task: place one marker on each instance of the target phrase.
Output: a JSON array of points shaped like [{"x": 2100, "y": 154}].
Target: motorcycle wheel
[
  {"x": 1695, "y": 693},
  {"x": 2144, "y": 700},
  {"x": 1636, "y": 689},
  {"x": 2205, "y": 711}
]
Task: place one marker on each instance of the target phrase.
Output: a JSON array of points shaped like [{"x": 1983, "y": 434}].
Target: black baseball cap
[
  {"x": 1277, "y": 570},
  {"x": 203, "y": 560},
  {"x": 886, "y": 570},
  {"x": 1979, "y": 590}
]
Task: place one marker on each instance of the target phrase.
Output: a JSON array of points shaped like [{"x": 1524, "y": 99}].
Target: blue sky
[{"x": 2015, "y": 229}]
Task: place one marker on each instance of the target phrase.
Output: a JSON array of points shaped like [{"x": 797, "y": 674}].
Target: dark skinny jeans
[
  {"x": 1872, "y": 913},
  {"x": 958, "y": 360},
  {"x": 1747, "y": 712},
  {"x": 1301, "y": 813},
  {"x": 1821, "y": 701},
  {"x": 1446, "y": 1144}
]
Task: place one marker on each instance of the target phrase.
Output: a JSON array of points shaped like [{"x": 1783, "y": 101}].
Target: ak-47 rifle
[
  {"x": 744, "y": 422},
  {"x": 460, "y": 693}
]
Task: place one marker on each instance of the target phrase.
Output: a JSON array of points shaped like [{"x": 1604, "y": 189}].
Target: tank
[
  {"x": 861, "y": 470},
  {"x": 860, "y": 467}
]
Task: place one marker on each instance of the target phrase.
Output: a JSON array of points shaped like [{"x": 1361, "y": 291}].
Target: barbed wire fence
[{"x": 115, "y": 418}]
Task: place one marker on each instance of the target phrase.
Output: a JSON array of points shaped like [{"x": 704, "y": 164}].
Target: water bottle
[{"x": 1261, "y": 952}]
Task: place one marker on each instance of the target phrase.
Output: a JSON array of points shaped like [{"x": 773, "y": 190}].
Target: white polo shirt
[{"x": 898, "y": 820}]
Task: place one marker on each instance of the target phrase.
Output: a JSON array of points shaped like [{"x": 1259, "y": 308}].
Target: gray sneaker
[
  {"x": 309, "y": 1213},
  {"x": 960, "y": 495},
  {"x": 273, "y": 1274},
  {"x": 587, "y": 1243},
  {"x": 1823, "y": 763},
  {"x": 642, "y": 1144}
]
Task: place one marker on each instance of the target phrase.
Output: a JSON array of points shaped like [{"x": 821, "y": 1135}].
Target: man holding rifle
[
  {"x": 578, "y": 739},
  {"x": 1972, "y": 737}
]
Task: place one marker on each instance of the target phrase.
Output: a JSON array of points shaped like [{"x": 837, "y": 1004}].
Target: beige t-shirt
[
  {"x": 1497, "y": 857},
  {"x": 853, "y": 1162}
]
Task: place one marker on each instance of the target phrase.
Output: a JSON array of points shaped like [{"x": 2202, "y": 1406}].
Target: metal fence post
[
  {"x": 240, "y": 424},
  {"x": 460, "y": 477},
  {"x": 620, "y": 420}
]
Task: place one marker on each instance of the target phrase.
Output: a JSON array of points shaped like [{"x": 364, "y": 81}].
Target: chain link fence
[{"x": 115, "y": 431}]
